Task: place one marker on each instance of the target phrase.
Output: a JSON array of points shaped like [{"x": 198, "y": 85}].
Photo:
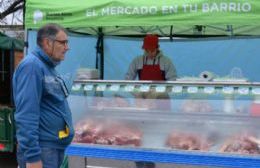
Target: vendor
[{"x": 152, "y": 65}]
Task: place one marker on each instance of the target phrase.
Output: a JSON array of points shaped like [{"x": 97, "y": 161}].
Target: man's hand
[{"x": 34, "y": 165}]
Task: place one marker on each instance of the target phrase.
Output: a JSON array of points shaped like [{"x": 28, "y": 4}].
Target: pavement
[
  {"x": 80, "y": 162},
  {"x": 8, "y": 160}
]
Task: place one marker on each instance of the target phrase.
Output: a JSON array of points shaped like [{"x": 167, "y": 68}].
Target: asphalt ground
[
  {"x": 79, "y": 162},
  {"x": 7, "y": 160}
]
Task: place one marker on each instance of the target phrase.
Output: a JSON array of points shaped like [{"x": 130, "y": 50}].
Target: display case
[{"x": 180, "y": 122}]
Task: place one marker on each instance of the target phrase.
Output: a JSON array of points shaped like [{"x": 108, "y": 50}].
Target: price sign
[
  {"x": 144, "y": 88},
  {"x": 129, "y": 88},
  {"x": 177, "y": 89},
  {"x": 192, "y": 89},
  {"x": 228, "y": 90},
  {"x": 88, "y": 87},
  {"x": 76, "y": 87},
  {"x": 209, "y": 90},
  {"x": 256, "y": 91},
  {"x": 243, "y": 90},
  {"x": 160, "y": 89},
  {"x": 114, "y": 87},
  {"x": 101, "y": 88}
]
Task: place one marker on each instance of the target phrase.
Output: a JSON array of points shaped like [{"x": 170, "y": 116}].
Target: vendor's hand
[{"x": 34, "y": 165}]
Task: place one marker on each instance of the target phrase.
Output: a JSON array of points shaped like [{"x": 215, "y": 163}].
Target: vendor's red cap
[{"x": 150, "y": 42}]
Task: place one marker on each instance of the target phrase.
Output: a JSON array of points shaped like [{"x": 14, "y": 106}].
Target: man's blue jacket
[{"x": 42, "y": 115}]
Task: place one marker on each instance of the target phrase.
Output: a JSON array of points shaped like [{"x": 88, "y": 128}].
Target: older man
[{"x": 43, "y": 118}]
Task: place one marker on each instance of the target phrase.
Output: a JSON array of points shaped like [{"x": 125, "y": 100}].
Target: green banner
[{"x": 96, "y": 13}]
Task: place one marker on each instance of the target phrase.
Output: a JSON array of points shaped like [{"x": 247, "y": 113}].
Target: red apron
[
  {"x": 154, "y": 72},
  {"x": 151, "y": 72}
]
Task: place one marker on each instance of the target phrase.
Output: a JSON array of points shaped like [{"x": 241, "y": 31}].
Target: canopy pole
[
  {"x": 230, "y": 30},
  {"x": 100, "y": 52},
  {"x": 171, "y": 33},
  {"x": 11, "y": 71},
  {"x": 26, "y": 44}
]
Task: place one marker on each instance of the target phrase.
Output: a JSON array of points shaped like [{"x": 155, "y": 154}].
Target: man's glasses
[{"x": 63, "y": 42}]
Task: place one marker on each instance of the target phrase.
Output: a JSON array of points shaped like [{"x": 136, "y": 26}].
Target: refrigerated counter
[{"x": 182, "y": 122}]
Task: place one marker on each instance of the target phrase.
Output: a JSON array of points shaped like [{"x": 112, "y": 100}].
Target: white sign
[{"x": 88, "y": 87}]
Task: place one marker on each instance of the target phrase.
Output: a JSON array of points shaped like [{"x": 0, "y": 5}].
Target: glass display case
[{"x": 191, "y": 123}]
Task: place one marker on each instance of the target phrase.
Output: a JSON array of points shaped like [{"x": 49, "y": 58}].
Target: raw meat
[
  {"x": 187, "y": 141},
  {"x": 241, "y": 144},
  {"x": 107, "y": 132}
]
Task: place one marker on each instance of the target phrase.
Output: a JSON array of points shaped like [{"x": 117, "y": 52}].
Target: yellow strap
[{"x": 64, "y": 133}]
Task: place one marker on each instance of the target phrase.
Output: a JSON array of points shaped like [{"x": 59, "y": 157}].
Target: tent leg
[{"x": 100, "y": 53}]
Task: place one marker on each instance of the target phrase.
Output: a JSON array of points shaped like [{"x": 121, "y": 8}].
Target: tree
[{"x": 11, "y": 12}]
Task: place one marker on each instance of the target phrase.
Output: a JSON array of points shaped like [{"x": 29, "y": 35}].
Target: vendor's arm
[
  {"x": 170, "y": 70},
  {"x": 132, "y": 70},
  {"x": 27, "y": 94}
]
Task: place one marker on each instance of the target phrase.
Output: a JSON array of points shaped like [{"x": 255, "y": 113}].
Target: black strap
[
  {"x": 63, "y": 86},
  {"x": 145, "y": 60}
]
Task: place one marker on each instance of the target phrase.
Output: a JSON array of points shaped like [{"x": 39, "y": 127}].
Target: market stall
[{"x": 105, "y": 21}]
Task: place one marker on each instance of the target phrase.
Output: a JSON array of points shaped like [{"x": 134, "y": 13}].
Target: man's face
[
  {"x": 151, "y": 53},
  {"x": 58, "y": 47}
]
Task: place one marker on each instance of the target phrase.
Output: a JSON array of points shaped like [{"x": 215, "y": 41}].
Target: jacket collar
[{"x": 44, "y": 57}]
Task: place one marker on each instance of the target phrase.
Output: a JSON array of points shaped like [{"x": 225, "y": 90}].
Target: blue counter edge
[{"x": 164, "y": 156}]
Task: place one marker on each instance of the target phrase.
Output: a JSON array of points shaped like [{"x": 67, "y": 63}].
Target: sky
[
  {"x": 15, "y": 18},
  {"x": 10, "y": 20}
]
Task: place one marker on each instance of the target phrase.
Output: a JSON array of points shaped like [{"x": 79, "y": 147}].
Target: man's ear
[{"x": 46, "y": 43}]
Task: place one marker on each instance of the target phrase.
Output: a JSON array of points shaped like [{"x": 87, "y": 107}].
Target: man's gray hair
[{"x": 48, "y": 31}]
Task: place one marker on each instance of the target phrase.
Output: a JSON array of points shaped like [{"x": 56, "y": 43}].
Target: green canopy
[
  {"x": 164, "y": 17},
  {"x": 9, "y": 43}
]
